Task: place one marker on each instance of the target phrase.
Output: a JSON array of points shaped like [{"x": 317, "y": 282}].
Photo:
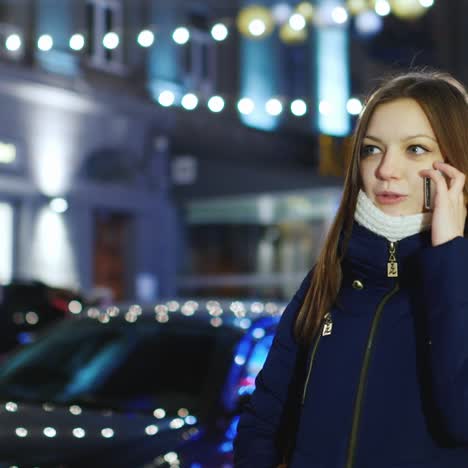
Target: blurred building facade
[{"x": 162, "y": 200}]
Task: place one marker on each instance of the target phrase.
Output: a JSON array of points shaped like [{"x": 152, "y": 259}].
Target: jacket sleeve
[
  {"x": 444, "y": 295},
  {"x": 254, "y": 446}
]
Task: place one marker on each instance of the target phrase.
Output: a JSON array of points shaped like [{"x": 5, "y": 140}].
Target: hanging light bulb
[
  {"x": 111, "y": 40},
  {"x": 297, "y": 22},
  {"x": 274, "y": 107},
  {"x": 382, "y": 7},
  {"x": 298, "y": 107},
  {"x": 181, "y": 35},
  {"x": 339, "y": 15},
  {"x": 257, "y": 27},
  {"x": 166, "y": 98},
  {"x": 246, "y": 106},
  {"x": 45, "y": 42},
  {"x": 13, "y": 42},
  {"x": 77, "y": 42},
  {"x": 146, "y": 38},
  {"x": 219, "y": 32},
  {"x": 189, "y": 101},
  {"x": 255, "y": 22},
  {"x": 354, "y": 106},
  {"x": 216, "y": 104}
]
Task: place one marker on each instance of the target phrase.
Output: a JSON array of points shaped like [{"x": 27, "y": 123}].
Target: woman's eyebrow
[
  {"x": 419, "y": 135},
  {"x": 370, "y": 137},
  {"x": 410, "y": 137}
]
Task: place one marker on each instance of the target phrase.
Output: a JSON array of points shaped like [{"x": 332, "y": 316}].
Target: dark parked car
[
  {"x": 28, "y": 306},
  {"x": 133, "y": 388}
]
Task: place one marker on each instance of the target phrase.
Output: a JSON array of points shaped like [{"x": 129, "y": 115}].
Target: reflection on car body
[{"x": 128, "y": 388}]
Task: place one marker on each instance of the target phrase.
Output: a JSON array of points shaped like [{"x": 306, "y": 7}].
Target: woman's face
[{"x": 398, "y": 144}]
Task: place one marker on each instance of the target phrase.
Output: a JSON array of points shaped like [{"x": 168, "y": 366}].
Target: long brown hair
[{"x": 445, "y": 102}]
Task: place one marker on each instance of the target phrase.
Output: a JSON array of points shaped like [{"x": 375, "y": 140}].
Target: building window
[
  {"x": 103, "y": 17},
  {"x": 200, "y": 57}
]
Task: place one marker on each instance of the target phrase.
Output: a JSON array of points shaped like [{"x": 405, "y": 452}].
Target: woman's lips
[{"x": 390, "y": 199}]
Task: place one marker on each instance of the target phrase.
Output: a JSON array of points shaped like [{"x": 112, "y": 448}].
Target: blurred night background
[
  {"x": 160, "y": 158},
  {"x": 162, "y": 148}
]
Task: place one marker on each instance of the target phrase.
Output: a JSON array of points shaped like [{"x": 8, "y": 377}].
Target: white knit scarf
[{"x": 394, "y": 228}]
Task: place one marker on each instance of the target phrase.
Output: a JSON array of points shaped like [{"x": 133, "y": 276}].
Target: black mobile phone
[{"x": 427, "y": 193}]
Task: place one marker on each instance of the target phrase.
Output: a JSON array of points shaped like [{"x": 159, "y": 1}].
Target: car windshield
[{"x": 136, "y": 366}]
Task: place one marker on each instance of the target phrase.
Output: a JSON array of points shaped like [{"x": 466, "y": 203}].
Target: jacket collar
[{"x": 367, "y": 255}]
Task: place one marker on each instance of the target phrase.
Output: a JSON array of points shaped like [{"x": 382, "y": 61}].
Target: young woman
[{"x": 369, "y": 366}]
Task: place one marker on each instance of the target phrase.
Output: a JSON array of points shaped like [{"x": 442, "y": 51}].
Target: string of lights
[
  {"x": 257, "y": 22},
  {"x": 190, "y": 101},
  {"x": 246, "y": 106}
]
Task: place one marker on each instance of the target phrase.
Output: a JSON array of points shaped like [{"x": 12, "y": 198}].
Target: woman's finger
[{"x": 456, "y": 177}]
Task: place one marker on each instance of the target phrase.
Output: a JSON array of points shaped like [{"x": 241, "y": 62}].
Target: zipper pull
[
  {"x": 328, "y": 325},
  {"x": 392, "y": 265}
]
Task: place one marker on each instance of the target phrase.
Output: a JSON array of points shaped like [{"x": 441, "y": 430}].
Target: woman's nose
[{"x": 390, "y": 165}]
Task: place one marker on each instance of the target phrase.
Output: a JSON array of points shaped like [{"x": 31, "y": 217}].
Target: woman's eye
[
  {"x": 368, "y": 150},
  {"x": 417, "y": 149}
]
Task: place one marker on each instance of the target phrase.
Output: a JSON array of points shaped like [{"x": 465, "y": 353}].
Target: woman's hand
[{"x": 449, "y": 211}]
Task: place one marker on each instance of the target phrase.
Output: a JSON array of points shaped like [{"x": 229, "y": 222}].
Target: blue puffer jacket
[{"x": 388, "y": 388}]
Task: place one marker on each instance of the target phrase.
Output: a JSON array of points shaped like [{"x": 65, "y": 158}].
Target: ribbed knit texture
[{"x": 393, "y": 228}]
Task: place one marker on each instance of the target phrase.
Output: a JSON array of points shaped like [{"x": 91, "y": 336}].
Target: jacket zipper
[
  {"x": 326, "y": 330},
  {"x": 392, "y": 272}
]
